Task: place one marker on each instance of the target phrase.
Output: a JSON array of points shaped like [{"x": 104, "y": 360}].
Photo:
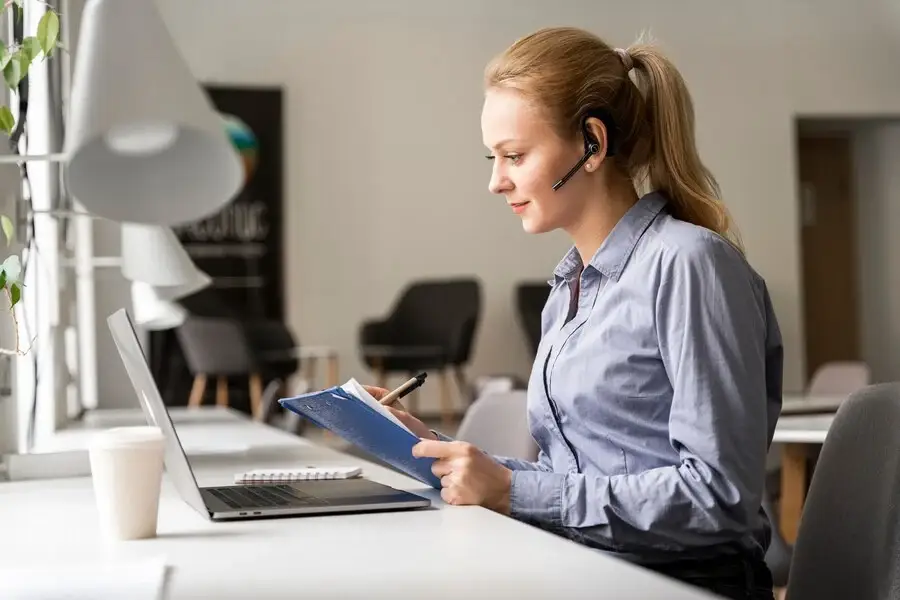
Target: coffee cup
[{"x": 126, "y": 468}]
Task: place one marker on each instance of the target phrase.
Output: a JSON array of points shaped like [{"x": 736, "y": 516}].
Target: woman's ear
[{"x": 595, "y": 131}]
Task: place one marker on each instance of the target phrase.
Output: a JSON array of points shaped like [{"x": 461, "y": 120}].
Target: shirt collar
[{"x": 612, "y": 255}]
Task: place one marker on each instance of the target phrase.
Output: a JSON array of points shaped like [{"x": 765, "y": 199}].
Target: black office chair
[
  {"x": 530, "y": 301},
  {"x": 432, "y": 326}
]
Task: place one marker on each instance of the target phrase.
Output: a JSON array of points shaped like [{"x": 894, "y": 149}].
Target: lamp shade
[
  {"x": 153, "y": 255},
  {"x": 144, "y": 143},
  {"x": 152, "y": 312}
]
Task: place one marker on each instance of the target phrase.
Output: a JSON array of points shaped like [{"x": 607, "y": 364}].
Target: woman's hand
[
  {"x": 418, "y": 428},
  {"x": 468, "y": 475}
]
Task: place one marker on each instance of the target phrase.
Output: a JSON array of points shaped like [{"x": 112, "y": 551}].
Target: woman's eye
[{"x": 514, "y": 158}]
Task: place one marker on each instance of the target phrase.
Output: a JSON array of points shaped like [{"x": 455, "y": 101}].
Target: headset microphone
[{"x": 592, "y": 148}]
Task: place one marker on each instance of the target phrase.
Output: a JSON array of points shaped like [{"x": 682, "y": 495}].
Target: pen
[{"x": 405, "y": 388}]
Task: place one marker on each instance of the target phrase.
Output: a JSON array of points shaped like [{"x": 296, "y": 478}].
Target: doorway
[{"x": 828, "y": 235}]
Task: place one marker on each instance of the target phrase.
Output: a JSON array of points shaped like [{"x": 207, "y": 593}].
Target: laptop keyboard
[{"x": 264, "y": 496}]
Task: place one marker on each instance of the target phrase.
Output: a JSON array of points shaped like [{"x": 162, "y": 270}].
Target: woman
[{"x": 657, "y": 384}]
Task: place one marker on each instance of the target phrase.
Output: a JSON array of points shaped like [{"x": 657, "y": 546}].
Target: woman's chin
[{"x": 534, "y": 225}]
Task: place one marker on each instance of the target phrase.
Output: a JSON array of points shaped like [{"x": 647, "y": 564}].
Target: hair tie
[{"x": 627, "y": 61}]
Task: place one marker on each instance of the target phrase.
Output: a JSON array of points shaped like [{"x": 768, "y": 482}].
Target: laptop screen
[{"x": 151, "y": 401}]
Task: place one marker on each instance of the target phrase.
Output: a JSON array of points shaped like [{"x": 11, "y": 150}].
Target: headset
[{"x": 592, "y": 146}]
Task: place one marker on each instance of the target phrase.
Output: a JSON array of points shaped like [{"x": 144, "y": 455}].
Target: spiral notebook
[
  {"x": 350, "y": 412},
  {"x": 289, "y": 475}
]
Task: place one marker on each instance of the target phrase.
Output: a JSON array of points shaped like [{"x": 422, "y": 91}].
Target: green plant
[{"x": 15, "y": 61}]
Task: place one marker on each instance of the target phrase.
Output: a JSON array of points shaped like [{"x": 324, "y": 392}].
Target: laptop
[{"x": 233, "y": 502}]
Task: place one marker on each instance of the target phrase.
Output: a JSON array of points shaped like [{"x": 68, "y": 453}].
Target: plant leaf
[
  {"x": 48, "y": 31},
  {"x": 7, "y": 123},
  {"x": 31, "y": 47},
  {"x": 9, "y": 230},
  {"x": 12, "y": 268},
  {"x": 4, "y": 55},
  {"x": 12, "y": 72},
  {"x": 15, "y": 294},
  {"x": 2, "y": 279}
]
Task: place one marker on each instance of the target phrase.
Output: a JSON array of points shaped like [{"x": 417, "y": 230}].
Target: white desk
[
  {"x": 443, "y": 552},
  {"x": 803, "y": 429},
  {"x": 795, "y": 404}
]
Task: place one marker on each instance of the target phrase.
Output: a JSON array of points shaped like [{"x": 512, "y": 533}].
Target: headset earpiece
[{"x": 591, "y": 147}]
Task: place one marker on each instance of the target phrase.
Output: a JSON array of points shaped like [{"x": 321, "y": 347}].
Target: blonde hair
[{"x": 571, "y": 73}]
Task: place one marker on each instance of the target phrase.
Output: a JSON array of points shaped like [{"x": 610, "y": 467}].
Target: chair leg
[
  {"x": 197, "y": 390},
  {"x": 446, "y": 400},
  {"x": 380, "y": 374},
  {"x": 256, "y": 396},
  {"x": 222, "y": 391},
  {"x": 412, "y": 401},
  {"x": 465, "y": 389},
  {"x": 309, "y": 372}
]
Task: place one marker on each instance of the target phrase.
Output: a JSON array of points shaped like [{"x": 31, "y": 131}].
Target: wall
[
  {"x": 384, "y": 142},
  {"x": 876, "y": 156}
]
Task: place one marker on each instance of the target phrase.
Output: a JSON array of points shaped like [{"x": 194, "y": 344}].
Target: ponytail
[{"x": 673, "y": 166}]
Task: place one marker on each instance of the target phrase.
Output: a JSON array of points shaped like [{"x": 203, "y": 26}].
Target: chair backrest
[
  {"x": 839, "y": 378},
  {"x": 215, "y": 346},
  {"x": 530, "y": 301},
  {"x": 273, "y": 347},
  {"x": 848, "y": 543},
  {"x": 441, "y": 313},
  {"x": 498, "y": 424}
]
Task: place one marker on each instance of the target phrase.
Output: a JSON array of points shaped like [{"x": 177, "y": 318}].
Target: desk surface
[
  {"x": 802, "y": 404},
  {"x": 443, "y": 552},
  {"x": 802, "y": 429}
]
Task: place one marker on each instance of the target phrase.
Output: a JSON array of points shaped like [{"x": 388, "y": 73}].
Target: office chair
[
  {"x": 848, "y": 543},
  {"x": 498, "y": 424},
  {"x": 839, "y": 378},
  {"x": 219, "y": 347},
  {"x": 431, "y": 326},
  {"x": 530, "y": 301}
]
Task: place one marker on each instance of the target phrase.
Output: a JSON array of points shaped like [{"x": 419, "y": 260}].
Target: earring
[{"x": 589, "y": 167}]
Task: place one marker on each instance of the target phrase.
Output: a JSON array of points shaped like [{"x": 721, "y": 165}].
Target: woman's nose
[{"x": 499, "y": 182}]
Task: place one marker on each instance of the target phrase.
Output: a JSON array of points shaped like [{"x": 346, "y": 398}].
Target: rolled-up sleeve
[{"x": 712, "y": 325}]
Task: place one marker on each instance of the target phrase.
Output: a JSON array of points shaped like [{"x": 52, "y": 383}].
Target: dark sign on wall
[{"x": 241, "y": 246}]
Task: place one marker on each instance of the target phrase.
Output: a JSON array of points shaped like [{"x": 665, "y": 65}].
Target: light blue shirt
[{"x": 654, "y": 395}]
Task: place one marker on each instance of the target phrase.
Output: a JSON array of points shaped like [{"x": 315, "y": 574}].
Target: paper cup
[{"x": 126, "y": 468}]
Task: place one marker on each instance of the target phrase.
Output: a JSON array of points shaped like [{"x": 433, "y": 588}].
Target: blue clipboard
[{"x": 347, "y": 416}]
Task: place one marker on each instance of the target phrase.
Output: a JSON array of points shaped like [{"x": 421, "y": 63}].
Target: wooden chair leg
[
  {"x": 333, "y": 370},
  {"x": 465, "y": 390},
  {"x": 380, "y": 374},
  {"x": 446, "y": 400},
  {"x": 222, "y": 391},
  {"x": 309, "y": 372},
  {"x": 197, "y": 390},
  {"x": 256, "y": 396},
  {"x": 412, "y": 400}
]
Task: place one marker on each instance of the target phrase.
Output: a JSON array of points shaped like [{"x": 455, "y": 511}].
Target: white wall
[
  {"x": 382, "y": 117},
  {"x": 876, "y": 156}
]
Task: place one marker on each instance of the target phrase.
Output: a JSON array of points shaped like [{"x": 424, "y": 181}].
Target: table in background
[
  {"x": 796, "y": 433},
  {"x": 442, "y": 552},
  {"x": 795, "y": 404}
]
